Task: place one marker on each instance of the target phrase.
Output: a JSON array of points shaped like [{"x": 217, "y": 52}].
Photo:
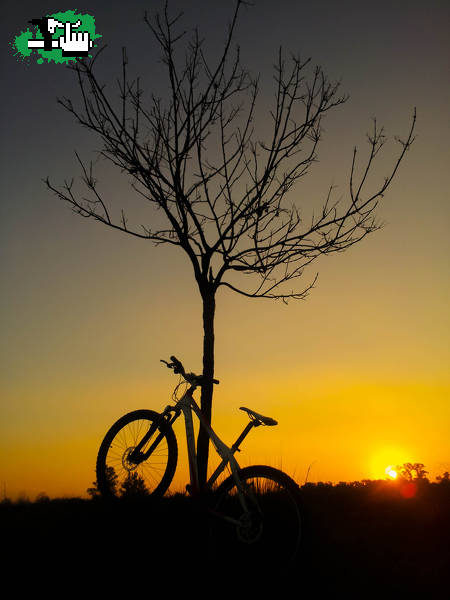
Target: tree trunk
[{"x": 209, "y": 306}]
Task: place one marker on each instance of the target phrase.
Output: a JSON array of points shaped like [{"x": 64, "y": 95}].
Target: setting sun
[{"x": 391, "y": 472}]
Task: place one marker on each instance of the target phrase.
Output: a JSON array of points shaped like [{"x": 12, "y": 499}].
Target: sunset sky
[{"x": 357, "y": 375}]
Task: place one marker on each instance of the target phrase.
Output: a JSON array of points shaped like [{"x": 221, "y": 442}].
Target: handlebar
[{"x": 177, "y": 367}]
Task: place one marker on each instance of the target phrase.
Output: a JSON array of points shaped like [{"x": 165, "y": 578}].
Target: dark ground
[{"x": 360, "y": 541}]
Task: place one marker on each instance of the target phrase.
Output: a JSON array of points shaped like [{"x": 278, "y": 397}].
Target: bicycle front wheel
[
  {"x": 267, "y": 532},
  {"x": 122, "y": 474}
]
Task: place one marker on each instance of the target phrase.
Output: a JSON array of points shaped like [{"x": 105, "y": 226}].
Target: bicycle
[{"x": 255, "y": 511}]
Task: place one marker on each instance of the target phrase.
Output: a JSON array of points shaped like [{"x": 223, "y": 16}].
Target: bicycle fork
[{"x": 137, "y": 456}]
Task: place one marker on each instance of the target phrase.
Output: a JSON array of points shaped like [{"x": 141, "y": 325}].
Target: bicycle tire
[
  {"x": 151, "y": 477},
  {"x": 273, "y": 539}
]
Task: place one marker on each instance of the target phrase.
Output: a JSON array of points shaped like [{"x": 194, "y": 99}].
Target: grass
[{"x": 359, "y": 536}]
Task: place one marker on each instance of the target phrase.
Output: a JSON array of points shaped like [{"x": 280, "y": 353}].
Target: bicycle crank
[{"x": 250, "y": 528}]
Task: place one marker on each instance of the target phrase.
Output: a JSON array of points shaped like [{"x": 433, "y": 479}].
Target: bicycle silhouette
[{"x": 254, "y": 512}]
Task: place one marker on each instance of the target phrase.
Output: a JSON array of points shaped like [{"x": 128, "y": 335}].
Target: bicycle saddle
[{"x": 254, "y": 416}]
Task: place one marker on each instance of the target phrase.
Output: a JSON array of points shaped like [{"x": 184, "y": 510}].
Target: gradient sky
[{"x": 357, "y": 374}]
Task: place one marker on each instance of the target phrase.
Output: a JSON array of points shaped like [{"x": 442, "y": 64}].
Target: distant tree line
[{"x": 134, "y": 485}]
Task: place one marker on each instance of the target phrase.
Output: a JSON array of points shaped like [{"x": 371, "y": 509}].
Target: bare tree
[
  {"x": 412, "y": 471},
  {"x": 226, "y": 196}
]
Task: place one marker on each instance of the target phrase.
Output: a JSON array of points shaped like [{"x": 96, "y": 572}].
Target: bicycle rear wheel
[
  {"x": 269, "y": 534},
  {"x": 119, "y": 475}
]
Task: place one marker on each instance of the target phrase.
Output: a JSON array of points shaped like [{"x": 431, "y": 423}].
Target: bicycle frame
[{"x": 187, "y": 405}]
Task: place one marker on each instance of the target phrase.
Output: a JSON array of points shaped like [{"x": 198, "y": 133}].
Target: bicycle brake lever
[
  {"x": 177, "y": 365},
  {"x": 173, "y": 365}
]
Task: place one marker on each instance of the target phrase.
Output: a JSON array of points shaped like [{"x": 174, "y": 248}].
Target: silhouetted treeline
[{"x": 379, "y": 535}]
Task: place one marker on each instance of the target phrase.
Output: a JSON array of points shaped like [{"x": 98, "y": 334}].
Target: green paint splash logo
[{"x": 60, "y": 37}]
